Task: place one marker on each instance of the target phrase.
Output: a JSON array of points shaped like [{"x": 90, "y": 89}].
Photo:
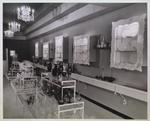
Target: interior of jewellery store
[{"x": 75, "y": 61}]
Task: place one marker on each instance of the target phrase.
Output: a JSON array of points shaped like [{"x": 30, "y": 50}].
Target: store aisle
[{"x": 13, "y": 109}]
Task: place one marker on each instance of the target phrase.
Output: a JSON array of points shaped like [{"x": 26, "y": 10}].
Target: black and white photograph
[{"x": 75, "y": 60}]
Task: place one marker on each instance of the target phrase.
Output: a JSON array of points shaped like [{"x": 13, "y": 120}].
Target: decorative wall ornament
[
  {"x": 102, "y": 43},
  {"x": 127, "y": 43}
]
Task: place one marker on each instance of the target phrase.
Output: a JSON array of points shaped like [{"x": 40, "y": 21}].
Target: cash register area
[{"x": 75, "y": 61}]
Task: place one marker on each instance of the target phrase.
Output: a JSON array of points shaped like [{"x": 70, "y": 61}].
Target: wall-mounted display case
[
  {"x": 45, "y": 51},
  {"x": 51, "y": 49},
  {"x": 36, "y": 50},
  {"x": 12, "y": 53},
  {"x": 127, "y": 43},
  {"x": 84, "y": 49},
  {"x": 61, "y": 48}
]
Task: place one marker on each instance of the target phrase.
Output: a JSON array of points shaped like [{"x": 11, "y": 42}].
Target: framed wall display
[
  {"x": 59, "y": 48},
  {"x": 36, "y": 49},
  {"x": 46, "y": 51},
  {"x": 51, "y": 49},
  {"x": 12, "y": 52},
  {"x": 81, "y": 49},
  {"x": 127, "y": 43}
]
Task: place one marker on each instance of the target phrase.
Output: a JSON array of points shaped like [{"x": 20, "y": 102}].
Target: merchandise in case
[{"x": 127, "y": 43}]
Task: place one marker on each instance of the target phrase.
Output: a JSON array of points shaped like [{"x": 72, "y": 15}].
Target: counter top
[{"x": 128, "y": 91}]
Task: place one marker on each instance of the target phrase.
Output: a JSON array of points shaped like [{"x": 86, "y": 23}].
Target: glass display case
[
  {"x": 46, "y": 51},
  {"x": 51, "y": 49},
  {"x": 127, "y": 43},
  {"x": 61, "y": 48},
  {"x": 36, "y": 49},
  {"x": 84, "y": 49}
]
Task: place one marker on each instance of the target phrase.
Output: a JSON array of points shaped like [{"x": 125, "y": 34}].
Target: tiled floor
[{"x": 13, "y": 109}]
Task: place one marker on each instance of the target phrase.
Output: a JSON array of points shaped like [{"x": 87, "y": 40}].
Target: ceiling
[
  {"x": 41, "y": 9},
  {"x": 10, "y": 13}
]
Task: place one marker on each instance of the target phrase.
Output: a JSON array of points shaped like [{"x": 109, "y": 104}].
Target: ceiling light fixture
[
  {"x": 25, "y": 13},
  {"x": 9, "y": 33},
  {"x": 14, "y": 26}
]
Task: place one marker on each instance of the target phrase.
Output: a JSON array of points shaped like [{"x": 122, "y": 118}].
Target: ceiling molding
[
  {"x": 43, "y": 11},
  {"x": 77, "y": 21},
  {"x": 66, "y": 9},
  {"x": 10, "y": 13},
  {"x": 78, "y": 6},
  {"x": 22, "y": 38}
]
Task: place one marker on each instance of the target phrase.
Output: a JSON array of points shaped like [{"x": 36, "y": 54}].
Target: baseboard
[{"x": 106, "y": 107}]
